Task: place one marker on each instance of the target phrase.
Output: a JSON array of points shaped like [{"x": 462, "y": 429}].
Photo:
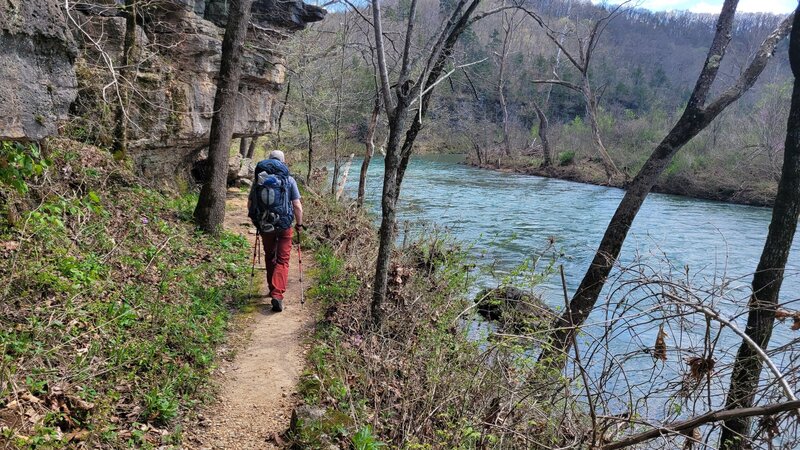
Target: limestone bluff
[{"x": 54, "y": 63}]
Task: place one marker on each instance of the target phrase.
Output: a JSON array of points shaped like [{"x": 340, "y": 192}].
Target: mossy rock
[
  {"x": 515, "y": 310},
  {"x": 317, "y": 427}
]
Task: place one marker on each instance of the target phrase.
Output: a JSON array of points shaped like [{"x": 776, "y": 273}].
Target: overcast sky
[{"x": 714, "y": 6}]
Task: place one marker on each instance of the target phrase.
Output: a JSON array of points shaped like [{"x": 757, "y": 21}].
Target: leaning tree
[
  {"x": 768, "y": 278},
  {"x": 406, "y": 102},
  {"x": 699, "y": 113}
]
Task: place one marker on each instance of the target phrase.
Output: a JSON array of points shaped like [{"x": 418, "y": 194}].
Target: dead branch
[{"x": 714, "y": 416}]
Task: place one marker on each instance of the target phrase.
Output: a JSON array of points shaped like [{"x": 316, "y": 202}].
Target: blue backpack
[{"x": 270, "y": 208}]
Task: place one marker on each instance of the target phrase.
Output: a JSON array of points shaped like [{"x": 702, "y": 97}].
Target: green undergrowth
[
  {"x": 112, "y": 304},
  {"x": 429, "y": 377}
]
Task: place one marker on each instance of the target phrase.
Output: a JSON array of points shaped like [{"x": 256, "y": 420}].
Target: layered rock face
[
  {"x": 176, "y": 61},
  {"x": 171, "y": 82},
  {"x": 37, "y": 82}
]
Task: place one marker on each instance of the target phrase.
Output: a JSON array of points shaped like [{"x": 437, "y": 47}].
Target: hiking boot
[{"x": 277, "y": 305}]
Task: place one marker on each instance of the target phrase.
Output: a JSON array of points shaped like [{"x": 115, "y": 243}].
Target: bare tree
[
  {"x": 769, "y": 275},
  {"x": 407, "y": 92},
  {"x": 698, "y": 114},
  {"x": 337, "y": 115},
  {"x": 283, "y": 109},
  {"x": 547, "y": 152},
  {"x": 309, "y": 131},
  {"x": 210, "y": 211},
  {"x": 509, "y": 26},
  {"x": 586, "y": 45}
]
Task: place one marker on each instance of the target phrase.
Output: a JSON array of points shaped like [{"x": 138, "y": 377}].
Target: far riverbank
[{"x": 703, "y": 186}]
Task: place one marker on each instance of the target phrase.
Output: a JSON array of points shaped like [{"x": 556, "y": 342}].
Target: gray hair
[{"x": 277, "y": 154}]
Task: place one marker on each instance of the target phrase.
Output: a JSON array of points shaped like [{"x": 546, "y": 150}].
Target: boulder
[
  {"x": 240, "y": 169},
  {"x": 247, "y": 169},
  {"x": 234, "y": 165},
  {"x": 306, "y": 414},
  {"x": 515, "y": 310},
  {"x": 243, "y": 183}
]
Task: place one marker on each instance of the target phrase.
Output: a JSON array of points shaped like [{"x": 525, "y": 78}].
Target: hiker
[{"x": 273, "y": 203}]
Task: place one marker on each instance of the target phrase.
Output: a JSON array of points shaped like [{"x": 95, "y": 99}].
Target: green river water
[{"x": 505, "y": 219}]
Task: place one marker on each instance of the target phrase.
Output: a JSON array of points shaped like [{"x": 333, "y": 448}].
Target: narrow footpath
[{"x": 258, "y": 389}]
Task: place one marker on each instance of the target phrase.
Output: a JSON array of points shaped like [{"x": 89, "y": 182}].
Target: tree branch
[
  {"x": 753, "y": 344},
  {"x": 753, "y": 71},
  {"x": 715, "y": 54},
  {"x": 490, "y": 12},
  {"x": 714, "y": 416},
  {"x": 448, "y": 74},
  {"x": 566, "y": 84},
  {"x": 412, "y": 15},
  {"x": 441, "y": 42},
  {"x": 388, "y": 101},
  {"x": 555, "y": 40}
]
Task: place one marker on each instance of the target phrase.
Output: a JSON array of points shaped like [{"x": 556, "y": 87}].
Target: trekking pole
[
  {"x": 300, "y": 264},
  {"x": 253, "y": 268}
]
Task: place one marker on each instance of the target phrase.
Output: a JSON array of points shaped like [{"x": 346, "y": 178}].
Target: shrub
[
  {"x": 566, "y": 158},
  {"x": 18, "y": 162}
]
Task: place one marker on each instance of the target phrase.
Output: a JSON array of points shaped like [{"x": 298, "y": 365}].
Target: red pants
[{"x": 277, "y": 248}]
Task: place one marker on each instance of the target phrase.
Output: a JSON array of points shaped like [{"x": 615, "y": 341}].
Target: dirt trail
[{"x": 258, "y": 388}]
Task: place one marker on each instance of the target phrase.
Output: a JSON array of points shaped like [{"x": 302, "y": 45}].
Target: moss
[{"x": 178, "y": 107}]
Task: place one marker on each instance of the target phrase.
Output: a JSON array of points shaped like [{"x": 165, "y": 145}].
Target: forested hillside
[{"x": 641, "y": 69}]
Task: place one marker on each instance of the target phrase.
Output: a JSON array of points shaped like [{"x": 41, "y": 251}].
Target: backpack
[{"x": 270, "y": 208}]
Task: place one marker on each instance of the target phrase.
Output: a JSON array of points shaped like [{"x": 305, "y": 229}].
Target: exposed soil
[{"x": 258, "y": 388}]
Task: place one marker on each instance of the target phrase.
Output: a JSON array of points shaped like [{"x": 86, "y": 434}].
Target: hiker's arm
[{"x": 298, "y": 211}]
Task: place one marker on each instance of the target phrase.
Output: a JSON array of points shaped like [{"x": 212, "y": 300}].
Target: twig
[{"x": 757, "y": 348}]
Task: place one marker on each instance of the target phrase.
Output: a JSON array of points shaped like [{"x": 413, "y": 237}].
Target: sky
[{"x": 714, "y": 6}]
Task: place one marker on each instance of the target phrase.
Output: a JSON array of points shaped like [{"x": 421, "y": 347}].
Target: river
[{"x": 505, "y": 219}]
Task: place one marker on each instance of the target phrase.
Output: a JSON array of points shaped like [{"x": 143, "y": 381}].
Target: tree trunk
[
  {"x": 336, "y": 165},
  {"x": 695, "y": 117},
  {"x": 251, "y": 150},
  {"x": 769, "y": 274},
  {"x": 310, "y": 147},
  {"x": 589, "y": 290},
  {"x": 343, "y": 180},
  {"x": 396, "y": 163},
  {"x": 283, "y": 109},
  {"x": 337, "y": 117},
  {"x": 369, "y": 151},
  {"x": 478, "y": 153},
  {"x": 243, "y": 145},
  {"x": 547, "y": 158},
  {"x": 388, "y": 213},
  {"x": 210, "y": 211},
  {"x": 501, "y": 84},
  {"x": 120, "y": 144},
  {"x": 591, "y": 113}
]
